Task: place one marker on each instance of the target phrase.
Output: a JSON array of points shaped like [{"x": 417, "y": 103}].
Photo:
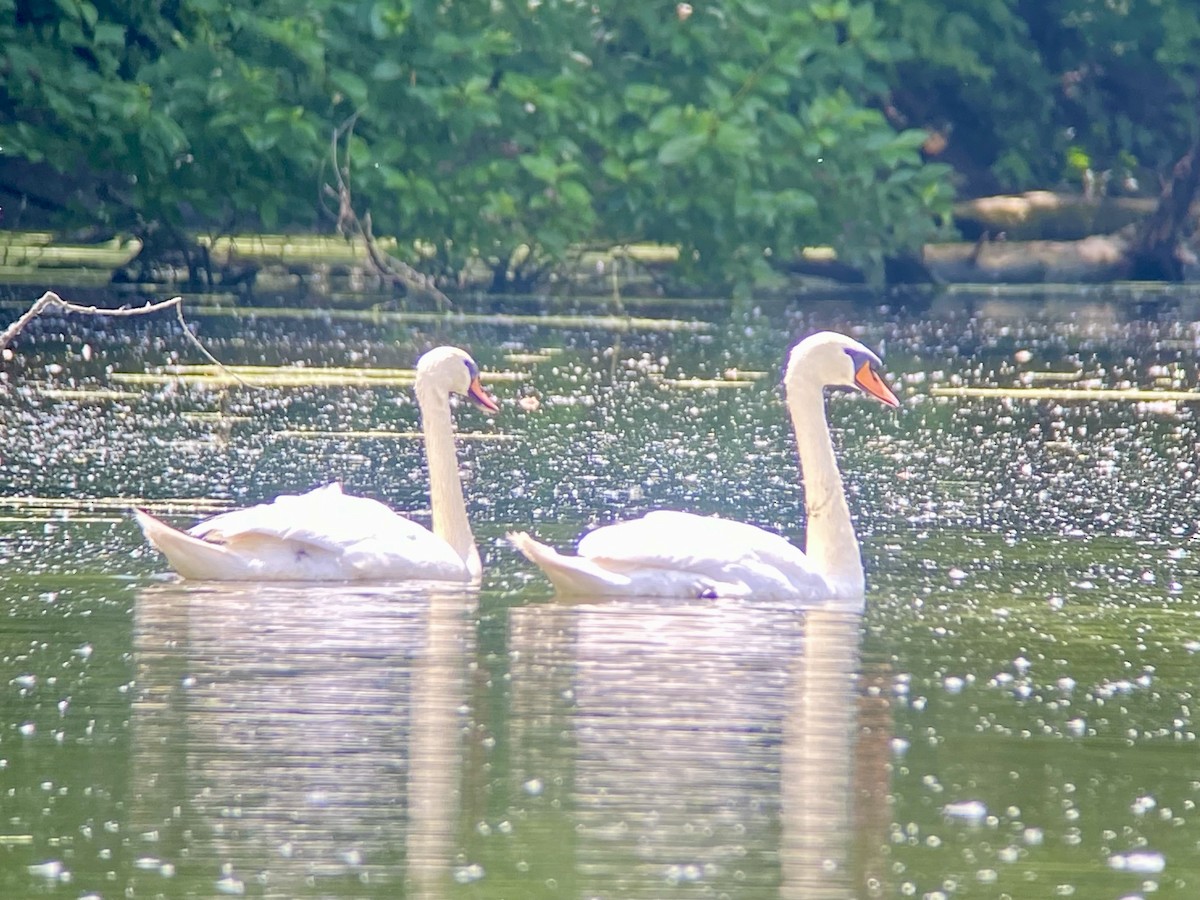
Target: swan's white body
[
  {"x": 325, "y": 535},
  {"x": 677, "y": 554}
]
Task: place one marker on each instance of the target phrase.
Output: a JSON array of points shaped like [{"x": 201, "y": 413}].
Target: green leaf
[
  {"x": 107, "y": 33},
  {"x": 614, "y": 168},
  {"x": 352, "y": 85},
  {"x": 735, "y": 139},
  {"x": 71, "y": 34},
  {"x": 861, "y": 21},
  {"x": 88, "y": 14},
  {"x": 387, "y": 70},
  {"x": 665, "y": 121},
  {"x": 680, "y": 148},
  {"x": 521, "y": 87},
  {"x": 639, "y": 94},
  {"x": 796, "y": 203},
  {"x": 1078, "y": 159},
  {"x": 542, "y": 168},
  {"x": 575, "y": 194}
]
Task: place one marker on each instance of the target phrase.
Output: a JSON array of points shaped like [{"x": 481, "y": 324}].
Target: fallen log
[
  {"x": 1094, "y": 259},
  {"x": 1047, "y": 215}
]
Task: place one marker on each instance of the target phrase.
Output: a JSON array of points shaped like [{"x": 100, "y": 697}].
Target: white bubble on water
[
  {"x": 1143, "y": 862},
  {"x": 1143, "y": 805},
  {"x": 969, "y": 810},
  {"x": 469, "y": 873},
  {"x": 231, "y": 886},
  {"x": 51, "y": 870}
]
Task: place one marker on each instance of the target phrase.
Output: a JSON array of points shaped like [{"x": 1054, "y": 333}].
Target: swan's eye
[{"x": 472, "y": 370}]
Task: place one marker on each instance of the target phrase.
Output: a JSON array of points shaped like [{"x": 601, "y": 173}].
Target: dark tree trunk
[{"x": 1157, "y": 253}]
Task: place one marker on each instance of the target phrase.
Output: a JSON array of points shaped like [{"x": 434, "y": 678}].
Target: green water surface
[{"x": 1012, "y": 716}]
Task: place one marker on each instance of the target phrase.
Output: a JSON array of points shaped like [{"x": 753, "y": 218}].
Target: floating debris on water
[
  {"x": 379, "y": 434},
  {"x": 85, "y": 396},
  {"x": 1030, "y": 393}
]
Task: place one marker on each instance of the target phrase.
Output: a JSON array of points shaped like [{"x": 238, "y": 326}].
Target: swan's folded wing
[
  {"x": 362, "y": 534},
  {"x": 718, "y": 549},
  {"x": 324, "y": 517}
]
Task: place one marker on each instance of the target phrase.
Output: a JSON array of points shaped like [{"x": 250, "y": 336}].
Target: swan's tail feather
[
  {"x": 189, "y": 556},
  {"x": 569, "y": 574}
]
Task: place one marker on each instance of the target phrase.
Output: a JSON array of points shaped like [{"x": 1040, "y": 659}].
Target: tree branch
[
  {"x": 392, "y": 270},
  {"x": 51, "y": 300}
]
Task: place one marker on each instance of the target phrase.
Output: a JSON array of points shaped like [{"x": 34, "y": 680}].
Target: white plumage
[
  {"x": 678, "y": 554},
  {"x": 326, "y": 535}
]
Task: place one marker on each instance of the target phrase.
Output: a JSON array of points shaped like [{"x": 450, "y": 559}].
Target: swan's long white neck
[
  {"x": 830, "y": 541},
  {"x": 445, "y": 484}
]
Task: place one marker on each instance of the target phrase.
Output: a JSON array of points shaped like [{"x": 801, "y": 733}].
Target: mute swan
[
  {"x": 326, "y": 535},
  {"x": 678, "y": 554}
]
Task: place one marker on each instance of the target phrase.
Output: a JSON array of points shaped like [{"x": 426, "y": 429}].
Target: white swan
[
  {"x": 678, "y": 554},
  {"x": 326, "y": 535}
]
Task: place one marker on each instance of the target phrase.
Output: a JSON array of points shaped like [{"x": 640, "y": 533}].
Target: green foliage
[
  {"x": 195, "y": 112},
  {"x": 738, "y": 130},
  {"x": 740, "y": 133},
  {"x": 1034, "y": 93}
]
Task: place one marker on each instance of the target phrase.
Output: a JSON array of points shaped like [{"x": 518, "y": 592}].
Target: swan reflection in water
[
  {"x": 297, "y": 739},
  {"x": 730, "y": 748},
  {"x": 309, "y": 741}
]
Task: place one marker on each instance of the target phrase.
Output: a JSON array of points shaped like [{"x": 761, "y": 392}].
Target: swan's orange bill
[
  {"x": 868, "y": 379},
  {"x": 477, "y": 393}
]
